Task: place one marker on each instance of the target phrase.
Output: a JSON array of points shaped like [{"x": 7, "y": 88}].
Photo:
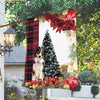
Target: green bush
[
  {"x": 95, "y": 90},
  {"x": 46, "y": 98},
  {"x": 87, "y": 76}
]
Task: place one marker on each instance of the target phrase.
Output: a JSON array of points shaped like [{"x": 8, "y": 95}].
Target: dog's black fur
[{"x": 37, "y": 51}]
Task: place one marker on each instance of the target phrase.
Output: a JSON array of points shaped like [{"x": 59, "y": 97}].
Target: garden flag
[{"x": 51, "y": 60}]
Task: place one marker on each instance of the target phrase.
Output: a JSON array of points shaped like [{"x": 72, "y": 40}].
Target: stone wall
[{"x": 85, "y": 92}]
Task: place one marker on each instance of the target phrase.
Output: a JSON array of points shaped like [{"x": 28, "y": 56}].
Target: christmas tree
[{"x": 51, "y": 66}]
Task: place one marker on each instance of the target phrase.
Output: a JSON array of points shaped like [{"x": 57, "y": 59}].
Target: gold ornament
[
  {"x": 63, "y": 68},
  {"x": 60, "y": 79},
  {"x": 36, "y": 19},
  {"x": 75, "y": 72},
  {"x": 71, "y": 63},
  {"x": 71, "y": 68},
  {"x": 34, "y": 86},
  {"x": 26, "y": 84},
  {"x": 30, "y": 87},
  {"x": 74, "y": 35},
  {"x": 66, "y": 86},
  {"x": 64, "y": 12}
]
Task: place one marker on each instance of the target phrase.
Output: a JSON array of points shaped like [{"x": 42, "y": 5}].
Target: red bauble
[
  {"x": 39, "y": 81},
  {"x": 64, "y": 82},
  {"x": 57, "y": 82},
  {"x": 67, "y": 79},
  {"x": 30, "y": 82},
  {"x": 69, "y": 34},
  {"x": 50, "y": 79},
  {"x": 46, "y": 79},
  {"x": 46, "y": 83},
  {"x": 73, "y": 82},
  {"x": 34, "y": 82},
  {"x": 54, "y": 80},
  {"x": 71, "y": 14},
  {"x": 42, "y": 87},
  {"x": 57, "y": 86},
  {"x": 56, "y": 77},
  {"x": 73, "y": 44}
]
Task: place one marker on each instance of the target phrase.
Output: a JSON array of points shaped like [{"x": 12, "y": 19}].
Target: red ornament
[
  {"x": 73, "y": 44},
  {"x": 39, "y": 81},
  {"x": 42, "y": 17},
  {"x": 46, "y": 83},
  {"x": 72, "y": 82},
  {"x": 43, "y": 21},
  {"x": 50, "y": 79},
  {"x": 54, "y": 80},
  {"x": 71, "y": 14},
  {"x": 69, "y": 34},
  {"x": 57, "y": 86},
  {"x": 42, "y": 87},
  {"x": 30, "y": 82},
  {"x": 67, "y": 79},
  {"x": 63, "y": 83},
  {"x": 46, "y": 79},
  {"x": 57, "y": 82},
  {"x": 34, "y": 82}
]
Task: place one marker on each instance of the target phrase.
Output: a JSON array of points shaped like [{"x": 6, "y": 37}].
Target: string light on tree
[{"x": 51, "y": 66}]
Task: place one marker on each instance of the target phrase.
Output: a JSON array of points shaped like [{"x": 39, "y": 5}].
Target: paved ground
[{"x": 73, "y": 98}]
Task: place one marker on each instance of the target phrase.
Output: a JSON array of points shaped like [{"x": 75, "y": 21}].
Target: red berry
[
  {"x": 42, "y": 87},
  {"x": 57, "y": 86},
  {"x": 69, "y": 34},
  {"x": 73, "y": 44},
  {"x": 42, "y": 17}
]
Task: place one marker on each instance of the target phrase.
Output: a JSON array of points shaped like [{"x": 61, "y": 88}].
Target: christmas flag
[{"x": 51, "y": 60}]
